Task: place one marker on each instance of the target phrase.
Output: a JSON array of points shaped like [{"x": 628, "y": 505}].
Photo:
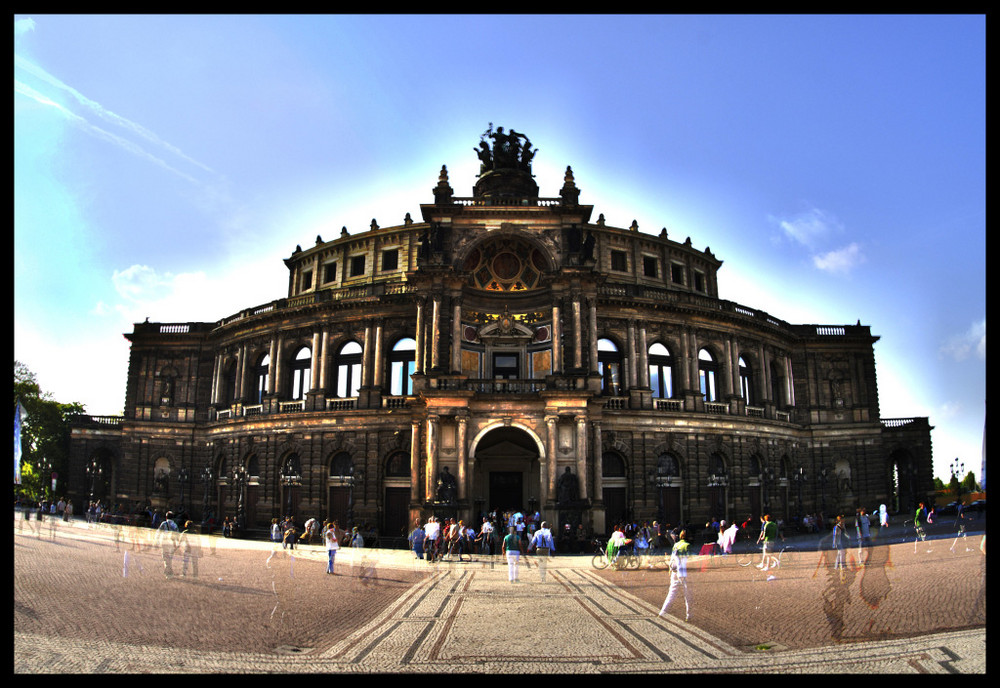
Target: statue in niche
[
  {"x": 567, "y": 489},
  {"x": 160, "y": 483},
  {"x": 447, "y": 488}
]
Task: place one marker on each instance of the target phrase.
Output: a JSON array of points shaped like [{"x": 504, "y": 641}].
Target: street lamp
[
  {"x": 957, "y": 469},
  {"x": 289, "y": 478},
  {"x": 349, "y": 480},
  {"x": 240, "y": 481},
  {"x": 94, "y": 470},
  {"x": 182, "y": 478},
  {"x": 800, "y": 478},
  {"x": 206, "y": 479}
]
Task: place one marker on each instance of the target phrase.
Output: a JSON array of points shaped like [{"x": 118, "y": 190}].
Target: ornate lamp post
[
  {"x": 207, "y": 478},
  {"x": 94, "y": 470},
  {"x": 800, "y": 478},
  {"x": 289, "y": 478},
  {"x": 659, "y": 478},
  {"x": 350, "y": 479},
  {"x": 823, "y": 474},
  {"x": 957, "y": 469},
  {"x": 182, "y": 479},
  {"x": 240, "y": 481}
]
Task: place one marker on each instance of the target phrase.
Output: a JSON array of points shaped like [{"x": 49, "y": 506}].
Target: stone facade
[{"x": 506, "y": 351}]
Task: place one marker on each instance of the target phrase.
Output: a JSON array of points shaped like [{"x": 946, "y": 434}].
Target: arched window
[
  {"x": 301, "y": 373},
  {"x": 261, "y": 372},
  {"x": 397, "y": 466},
  {"x": 777, "y": 385},
  {"x": 402, "y": 363},
  {"x": 746, "y": 383},
  {"x": 612, "y": 465},
  {"x": 609, "y": 365},
  {"x": 661, "y": 371},
  {"x": 348, "y": 366},
  {"x": 341, "y": 465},
  {"x": 708, "y": 371},
  {"x": 229, "y": 383}
]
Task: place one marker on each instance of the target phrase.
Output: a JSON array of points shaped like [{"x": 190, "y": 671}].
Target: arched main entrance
[{"x": 507, "y": 474}]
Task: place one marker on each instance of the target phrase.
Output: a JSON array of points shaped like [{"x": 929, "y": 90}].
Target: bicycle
[{"x": 624, "y": 558}]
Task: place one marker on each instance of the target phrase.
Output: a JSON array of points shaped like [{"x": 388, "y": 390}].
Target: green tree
[{"x": 44, "y": 434}]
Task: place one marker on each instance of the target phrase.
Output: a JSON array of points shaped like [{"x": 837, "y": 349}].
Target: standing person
[
  {"x": 290, "y": 535},
  {"x": 512, "y": 548},
  {"x": 864, "y": 528},
  {"x": 839, "y": 535},
  {"x": 678, "y": 576},
  {"x": 190, "y": 545},
  {"x": 544, "y": 545},
  {"x": 275, "y": 530},
  {"x": 417, "y": 539},
  {"x": 432, "y": 533},
  {"x": 332, "y": 545},
  {"x": 357, "y": 540},
  {"x": 486, "y": 537},
  {"x": 310, "y": 530},
  {"x": 768, "y": 535},
  {"x": 883, "y": 514},
  {"x": 166, "y": 538}
]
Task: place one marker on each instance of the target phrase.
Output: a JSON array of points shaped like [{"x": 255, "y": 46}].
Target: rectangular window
[
  {"x": 619, "y": 261},
  {"x": 699, "y": 281},
  {"x": 330, "y": 272},
  {"x": 390, "y": 259},
  {"x": 357, "y": 266},
  {"x": 677, "y": 274},
  {"x": 307, "y": 280},
  {"x": 650, "y": 268}
]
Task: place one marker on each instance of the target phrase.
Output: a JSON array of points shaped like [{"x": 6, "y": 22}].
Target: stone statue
[
  {"x": 447, "y": 489},
  {"x": 567, "y": 488},
  {"x": 160, "y": 483}
]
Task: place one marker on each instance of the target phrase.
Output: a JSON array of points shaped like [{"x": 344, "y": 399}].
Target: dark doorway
[
  {"x": 506, "y": 490},
  {"x": 614, "y": 504},
  {"x": 397, "y": 512}
]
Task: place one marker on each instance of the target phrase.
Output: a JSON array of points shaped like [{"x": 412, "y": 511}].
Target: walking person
[
  {"x": 189, "y": 544},
  {"x": 544, "y": 545},
  {"x": 768, "y": 535},
  {"x": 166, "y": 538},
  {"x": 838, "y": 536},
  {"x": 512, "y": 549},
  {"x": 332, "y": 545},
  {"x": 678, "y": 576},
  {"x": 417, "y": 539}
]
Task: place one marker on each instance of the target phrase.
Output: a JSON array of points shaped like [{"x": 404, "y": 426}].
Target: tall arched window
[
  {"x": 661, "y": 371},
  {"x": 402, "y": 363},
  {"x": 348, "y": 366},
  {"x": 708, "y": 371},
  {"x": 301, "y": 373},
  {"x": 746, "y": 383},
  {"x": 609, "y": 365},
  {"x": 261, "y": 373},
  {"x": 777, "y": 385}
]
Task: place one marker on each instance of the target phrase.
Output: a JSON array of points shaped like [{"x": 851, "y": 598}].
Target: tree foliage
[{"x": 44, "y": 434}]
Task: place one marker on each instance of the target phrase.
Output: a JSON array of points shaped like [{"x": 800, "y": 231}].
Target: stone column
[
  {"x": 630, "y": 356},
  {"x": 317, "y": 340},
  {"x": 377, "y": 364},
  {"x": 557, "y": 353},
  {"x": 789, "y": 381},
  {"x": 366, "y": 358},
  {"x": 550, "y": 460},
  {"x": 419, "y": 337},
  {"x": 432, "y": 440},
  {"x": 414, "y": 461},
  {"x": 598, "y": 463},
  {"x": 324, "y": 337},
  {"x": 643, "y": 359},
  {"x": 592, "y": 329},
  {"x": 581, "y": 454},
  {"x": 435, "y": 332},
  {"x": 463, "y": 472},
  {"x": 456, "y": 336},
  {"x": 578, "y": 331},
  {"x": 272, "y": 366},
  {"x": 216, "y": 368}
]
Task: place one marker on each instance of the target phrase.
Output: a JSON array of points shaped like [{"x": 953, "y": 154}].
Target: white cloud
[
  {"x": 972, "y": 341},
  {"x": 810, "y": 228},
  {"x": 23, "y": 26},
  {"x": 841, "y": 260}
]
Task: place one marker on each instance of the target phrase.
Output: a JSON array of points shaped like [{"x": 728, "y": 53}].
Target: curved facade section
[{"x": 506, "y": 351}]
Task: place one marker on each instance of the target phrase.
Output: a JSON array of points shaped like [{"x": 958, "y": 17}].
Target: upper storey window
[
  {"x": 661, "y": 371},
  {"x": 609, "y": 365},
  {"x": 348, "y": 366},
  {"x": 708, "y": 371},
  {"x": 402, "y": 363},
  {"x": 301, "y": 373},
  {"x": 505, "y": 264}
]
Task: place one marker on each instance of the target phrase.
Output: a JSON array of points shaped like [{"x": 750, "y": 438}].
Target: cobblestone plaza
[{"x": 93, "y": 599}]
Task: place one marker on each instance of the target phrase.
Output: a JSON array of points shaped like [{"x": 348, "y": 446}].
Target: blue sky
[{"x": 165, "y": 165}]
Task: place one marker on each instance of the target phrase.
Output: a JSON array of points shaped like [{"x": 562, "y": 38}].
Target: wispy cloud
[
  {"x": 93, "y": 108},
  {"x": 972, "y": 342},
  {"x": 841, "y": 260},
  {"x": 816, "y": 229}
]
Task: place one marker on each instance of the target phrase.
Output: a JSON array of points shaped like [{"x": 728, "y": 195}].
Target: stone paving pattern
[{"x": 82, "y": 606}]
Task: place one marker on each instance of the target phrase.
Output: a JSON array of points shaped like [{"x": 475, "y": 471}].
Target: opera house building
[{"x": 509, "y": 351}]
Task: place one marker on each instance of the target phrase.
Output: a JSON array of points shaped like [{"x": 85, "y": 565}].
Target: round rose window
[{"x": 505, "y": 264}]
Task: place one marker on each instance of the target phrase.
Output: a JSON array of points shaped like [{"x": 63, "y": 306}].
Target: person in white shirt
[
  {"x": 332, "y": 545},
  {"x": 544, "y": 545},
  {"x": 431, "y": 533}
]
